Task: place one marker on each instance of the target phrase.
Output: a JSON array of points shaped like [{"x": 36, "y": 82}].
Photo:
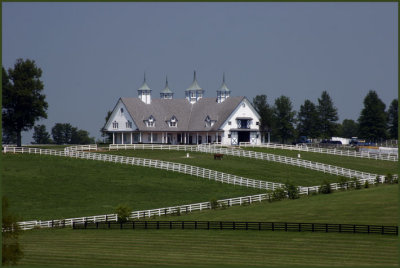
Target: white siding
[{"x": 121, "y": 118}]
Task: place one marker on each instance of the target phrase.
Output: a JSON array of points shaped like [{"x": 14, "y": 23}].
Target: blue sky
[{"x": 93, "y": 53}]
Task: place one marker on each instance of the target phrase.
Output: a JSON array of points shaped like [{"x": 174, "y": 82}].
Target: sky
[{"x": 91, "y": 54}]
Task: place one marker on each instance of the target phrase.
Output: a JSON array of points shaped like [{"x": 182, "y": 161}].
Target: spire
[
  {"x": 144, "y": 85},
  {"x": 194, "y": 85},
  {"x": 223, "y": 86},
  {"x": 166, "y": 93},
  {"x": 223, "y": 92}
]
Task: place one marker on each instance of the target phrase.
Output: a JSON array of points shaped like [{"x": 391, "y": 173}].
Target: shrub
[
  {"x": 214, "y": 203},
  {"x": 325, "y": 188},
  {"x": 389, "y": 178},
  {"x": 366, "y": 184},
  {"x": 377, "y": 180},
  {"x": 177, "y": 212},
  {"x": 291, "y": 190},
  {"x": 343, "y": 184},
  {"x": 357, "y": 184},
  {"x": 278, "y": 194},
  {"x": 123, "y": 212}
]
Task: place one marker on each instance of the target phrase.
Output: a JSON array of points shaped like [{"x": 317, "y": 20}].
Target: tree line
[
  {"x": 320, "y": 121},
  {"x": 23, "y": 104}
]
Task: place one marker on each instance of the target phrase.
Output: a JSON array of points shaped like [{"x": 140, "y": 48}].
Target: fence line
[
  {"x": 240, "y": 225},
  {"x": 26, "y": 225},
  {"x": 368, "y": 155},
  {"x": 177, "y": 167},
  {"x": 334, "y": 170}
]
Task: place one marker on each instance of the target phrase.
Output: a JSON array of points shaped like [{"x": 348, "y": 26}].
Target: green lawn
[
  {"x": 373, "y": 206},
  {"x": 191, "y": 248},
  {"x": 52, "y": 187},
  {"x": 242, "y": 166},
  {"x": 361, "y": 164}
]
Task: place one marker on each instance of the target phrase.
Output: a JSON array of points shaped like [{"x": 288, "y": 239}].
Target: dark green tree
[
  {"x": 80, "y": 136},
  {"x": 307, "y": 119},
  {"x": 40, "y": 135},
  {"x": 9, "y": 136},
  {"x": 264, "y": 110},
  {"x": 348, "y": 129},
  {"x": 393, "y": 119},
  {"x": 107, "y": 136},
  {"x": 284, "y": 118},
  {"x": 373, "y": 118},
  {"x": 23, "y": 103},
  {"x": 327, "y": 116},
  {"x": 11, "y": 249}
]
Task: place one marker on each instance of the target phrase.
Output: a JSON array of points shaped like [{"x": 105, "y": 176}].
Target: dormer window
[
  {"x": 150, "y": 122},
  {"x": 173, "y": 122},
  {"x": 115, "y": 125},
  {"x": 209, "y": 122},
  {"x": 122, "y": 111}
]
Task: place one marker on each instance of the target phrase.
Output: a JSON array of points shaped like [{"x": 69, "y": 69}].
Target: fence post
[
  {"x": 312, "y": 227},
  {"x": 285, "y": 226}
]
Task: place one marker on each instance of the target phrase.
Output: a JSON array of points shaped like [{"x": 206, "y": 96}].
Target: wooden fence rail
[
  {"x": 171, "y": 166},
  {"x": 236, "y": 225},
  {"x": 368, "y": 155}
]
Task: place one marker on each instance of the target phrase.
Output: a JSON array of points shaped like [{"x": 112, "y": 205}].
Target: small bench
[{"x": 218, "y": 156}]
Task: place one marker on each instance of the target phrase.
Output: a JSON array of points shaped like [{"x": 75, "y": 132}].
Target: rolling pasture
[{"x": 51, "y": 187}]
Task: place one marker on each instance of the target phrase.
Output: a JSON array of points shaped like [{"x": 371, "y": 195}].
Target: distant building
[{"x": 193, "y": 120}]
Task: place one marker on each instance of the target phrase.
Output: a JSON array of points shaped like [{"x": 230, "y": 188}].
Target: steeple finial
[
  {"x": 166, "y": 81},
  {"x": 194, "y": 76},
  {"x": 144, "y": 77},
  {"x": 223, "y": 78}
]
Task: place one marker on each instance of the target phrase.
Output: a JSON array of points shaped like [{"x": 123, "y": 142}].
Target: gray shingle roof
[{"x": 191, "y": 117}]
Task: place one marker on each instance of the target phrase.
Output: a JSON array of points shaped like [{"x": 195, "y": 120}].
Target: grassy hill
[
  {"x": 201, "y": 248},
  {"x": 242, "y": 166},
  {"x": 52, "y": 187},
  {"x": 374, "y": 206}
]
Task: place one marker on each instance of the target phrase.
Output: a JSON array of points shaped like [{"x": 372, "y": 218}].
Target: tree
[
  {"x": 62, "y": 133},
  {"x": 283, "y": 118},
  {"x": 348, "y": 129},
  {"x": 327, "y": 116},
  {"x": 80, "y": 137},
  {"x": 11, "y": 249},
  {"x": 23, "y": 103},
  {"x": 8, "y": 135},
  {"x": 107, "y": 136},
  {"x": 123, "y": 212},
  {"x": 40, "y": 135},
  {"x": 393, "y": 119},
  {"x": 373, "y": 119},
  {"x": 308, "y": 120},
  {"x": 261, "y": 106}
]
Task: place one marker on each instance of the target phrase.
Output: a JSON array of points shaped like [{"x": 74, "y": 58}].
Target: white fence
[
  {"x": 334, "y": 170},
  {"x": 89, "y": 147},
  {"x": 177, "y": 167},
  {"x": 26, "y": 225},
  {"x": 369, "y": 155}
]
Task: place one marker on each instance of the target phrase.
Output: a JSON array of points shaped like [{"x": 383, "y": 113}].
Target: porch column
[
  {"x": 151, "y": 137},
  {"x": 197, "y": 138},
  {"x": 122, "y": 133},
  {"x": 185, "y": 138},
  {"x": 206, "y": 137},
  {"x": 216, "y": 137},
  {"x": 140, "y": 136},
  {"x": 113, "y": 138},
  {"x": 131, "y": 138}
]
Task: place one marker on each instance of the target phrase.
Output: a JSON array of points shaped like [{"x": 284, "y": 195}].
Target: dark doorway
[{"x": 244, "y": 136}]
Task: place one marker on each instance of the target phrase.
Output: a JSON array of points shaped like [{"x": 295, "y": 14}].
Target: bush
[
  {"x": 177, "y": 212},
  {"x": 123, "y": 212},
  {"x": 214, "y": 203},
  {"x": 357, "y": 184},
  {"x": 366, "y": 184},
  {"x": 291, "y": 190},
  {"x": 325, "y": 188},
  {"x": 343, "y": 184},
  {"x": 377, "y": 180},
  {"x": 389, "y": 178},
  {"x": 278, "y": 194}
]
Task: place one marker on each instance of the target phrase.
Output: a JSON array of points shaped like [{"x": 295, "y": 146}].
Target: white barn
[{"x": 193, "y": 120}]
